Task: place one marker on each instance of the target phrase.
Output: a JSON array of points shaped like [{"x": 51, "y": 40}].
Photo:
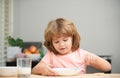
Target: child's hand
[
  {"x": 48, "y": 71},
  {"x": 43, "y": 69}
]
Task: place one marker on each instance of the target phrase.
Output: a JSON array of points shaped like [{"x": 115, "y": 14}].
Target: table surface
[{"x": 95, "y": 75}]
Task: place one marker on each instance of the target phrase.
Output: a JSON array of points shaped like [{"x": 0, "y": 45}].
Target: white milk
[{"x": 24, "y": 70}]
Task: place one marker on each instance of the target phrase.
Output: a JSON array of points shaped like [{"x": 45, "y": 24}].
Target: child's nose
[{"x": 61, "y": 43}]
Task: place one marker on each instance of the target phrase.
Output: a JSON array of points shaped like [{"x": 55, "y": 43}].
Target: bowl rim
[{"x": 70, "y": 71}]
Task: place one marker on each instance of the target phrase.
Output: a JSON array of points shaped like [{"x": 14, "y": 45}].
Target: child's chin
[{"x": 63, "y": 53}]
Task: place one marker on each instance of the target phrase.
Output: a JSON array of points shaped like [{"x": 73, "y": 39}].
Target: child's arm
[
  {"x": 97, "y": 62},
  {"x": 42, "y": 69}
]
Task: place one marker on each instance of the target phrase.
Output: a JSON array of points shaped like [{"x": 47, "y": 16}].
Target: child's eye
[
  {"x": 56, "y": 41},
  {"x": 65, "y": 39}
]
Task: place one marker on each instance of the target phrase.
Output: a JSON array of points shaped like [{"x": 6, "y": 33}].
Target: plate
[
  {"x": 8, "y": 71},
  {"x": 66, "y": 71}
]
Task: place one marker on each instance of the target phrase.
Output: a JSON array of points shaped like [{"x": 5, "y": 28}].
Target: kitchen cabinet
[{"x": 13, "y": 63}]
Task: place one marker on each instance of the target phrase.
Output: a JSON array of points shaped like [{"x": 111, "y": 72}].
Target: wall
[{"x": 98, "y": 22}]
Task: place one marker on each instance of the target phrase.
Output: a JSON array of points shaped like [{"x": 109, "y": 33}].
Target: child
[{"x": 63, "y": 41}]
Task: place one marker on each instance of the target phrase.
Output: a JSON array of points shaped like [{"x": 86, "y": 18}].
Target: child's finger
[
  {"x": 51, "y": 72},
  {"x": 51, "y": 66}
]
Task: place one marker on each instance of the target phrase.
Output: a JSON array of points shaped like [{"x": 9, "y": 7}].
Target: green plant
[{"x": 15, "y": 42}]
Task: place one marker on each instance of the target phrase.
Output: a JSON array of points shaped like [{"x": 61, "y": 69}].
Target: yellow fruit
[
  {"x": 36, "y": 52},
  {"x": 26, "y": 51},
  {"x": 32, "y": 48}
]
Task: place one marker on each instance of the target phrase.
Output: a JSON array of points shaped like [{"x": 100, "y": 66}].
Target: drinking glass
[{"x": 24, "y": 67}]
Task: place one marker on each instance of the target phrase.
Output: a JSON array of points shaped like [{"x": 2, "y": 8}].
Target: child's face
[{"x": 62, "y": 44}]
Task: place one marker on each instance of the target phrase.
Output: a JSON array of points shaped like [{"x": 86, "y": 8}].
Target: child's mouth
[{"x": 62, "y": 48}]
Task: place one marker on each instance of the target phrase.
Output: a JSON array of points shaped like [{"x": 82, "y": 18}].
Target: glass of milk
[{"x": 24, "y": 67}]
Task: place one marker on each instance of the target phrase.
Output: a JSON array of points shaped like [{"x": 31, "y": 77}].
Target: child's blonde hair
[{"x": 60, "y": 27}]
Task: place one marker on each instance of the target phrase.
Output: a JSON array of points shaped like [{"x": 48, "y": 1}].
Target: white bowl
[
  {"x": 66, "y": 71},
  {"x": 34, "y": 57},
  {"x": 8, "y": 71}
]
